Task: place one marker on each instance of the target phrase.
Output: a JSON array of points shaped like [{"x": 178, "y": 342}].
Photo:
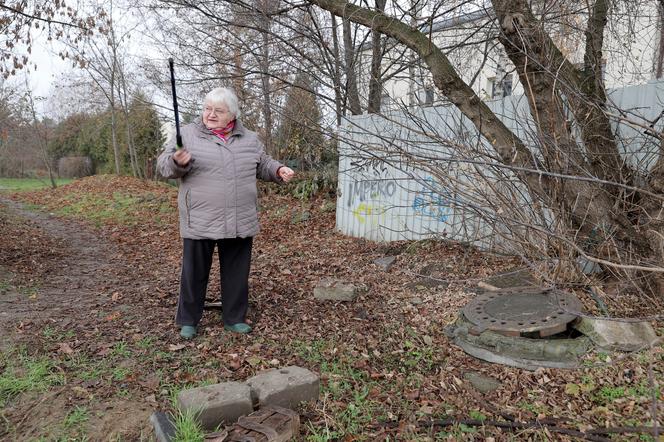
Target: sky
[{"x": 49, "y": 67}]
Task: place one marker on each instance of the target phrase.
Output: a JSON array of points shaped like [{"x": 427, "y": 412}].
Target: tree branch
[
  {"x": 46, "y": 20},
  {"x": 509, "y": 147}
]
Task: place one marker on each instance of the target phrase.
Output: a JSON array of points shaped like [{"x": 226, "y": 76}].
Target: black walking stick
[{"x": 178, "y": 137}]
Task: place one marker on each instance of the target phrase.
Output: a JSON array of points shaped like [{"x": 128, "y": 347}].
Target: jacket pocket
[{"x": 187, "y": 204}]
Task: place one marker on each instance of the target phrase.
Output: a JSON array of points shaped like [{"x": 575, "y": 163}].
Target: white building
[{"x": 468, "y": 36}]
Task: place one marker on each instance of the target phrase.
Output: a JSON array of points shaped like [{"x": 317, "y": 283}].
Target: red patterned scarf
[{"x": 225, "y": 132}]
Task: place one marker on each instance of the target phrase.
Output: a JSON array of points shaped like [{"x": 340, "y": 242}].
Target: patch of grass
[
  {"x": 22, "y": 372},
  {"x": 458, "y": 432},
  {"x": 311, "y": 351},
  {"x": 92, "y": 373},
  {"x": 644, "y": 390},
  {"x": 56, "y": 335},
  {"x": 422, "y": 357},
  {"x": 348, "y": 388},
  {"x": 347, "y": 420},
  {"x": 23, "y": 184},
  {"x": 120, "y": 208},
  {"x": 187, "y": 428},
  {"x": 75, "y": 419},
  {"x": 531, "y": 406},
  {"x": 632, "y": 422},
  {"x": 119, "y": 373},
  {"x": 608, "y": 394},
  {"x": 477, "y": 415},
  {"x": 357, "y": 414},
  {"x": 32, "y": 207},
  {"x": 121, "y": 349},
  {"x": 146, "y": 343},
  {"x": 30, "y": 292},
  {"x": 5, "y": 286},
  {"x": 49, "y": 332}
]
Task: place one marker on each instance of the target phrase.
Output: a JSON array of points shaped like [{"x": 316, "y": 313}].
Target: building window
[
  {"x": 490, "y": 83},
  {"x": 581, "y": 66},
  {"x": 385, "y": 100},
  {"x": 501, "y": 87},
  {"x": 428, "y": 95},
  {"x": 507, "y": 85}
]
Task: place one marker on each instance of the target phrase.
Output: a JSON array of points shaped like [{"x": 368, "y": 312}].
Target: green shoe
[
  {"x": 188, "y": 331},
  {"x": 240, "y": 327}
]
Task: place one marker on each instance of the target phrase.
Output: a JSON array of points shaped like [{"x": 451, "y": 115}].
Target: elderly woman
[{"x": 217, "y": 169}]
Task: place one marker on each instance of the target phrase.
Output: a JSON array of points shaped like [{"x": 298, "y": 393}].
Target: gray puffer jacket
[{"x": 217, "y": 195}]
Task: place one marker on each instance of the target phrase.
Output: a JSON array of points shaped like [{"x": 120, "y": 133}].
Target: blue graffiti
[{"x": 433, "y": 201}]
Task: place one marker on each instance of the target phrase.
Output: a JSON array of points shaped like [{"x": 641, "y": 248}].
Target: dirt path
[
  {"x": 58, "y": 280},
  {"x": 69, "y": 283}
]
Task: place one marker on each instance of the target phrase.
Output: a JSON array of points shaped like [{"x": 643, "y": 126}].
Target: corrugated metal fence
[{"x": 384, "y": 195}]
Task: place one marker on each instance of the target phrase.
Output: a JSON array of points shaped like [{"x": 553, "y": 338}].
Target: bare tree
[
  {"x": 40, "y": 132},
  {"x": 604, "y": 209},
  {"x": 21, "y": 19},
  {"x": 103, "y": 61}
]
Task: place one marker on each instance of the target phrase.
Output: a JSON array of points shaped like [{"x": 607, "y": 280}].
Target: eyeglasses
[{"x": 212, "y": 110}]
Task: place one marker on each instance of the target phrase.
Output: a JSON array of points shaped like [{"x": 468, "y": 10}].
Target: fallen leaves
[
  {"x": 572, "y": 389},
  {"x": 384, "y": 341},
  {"x": 65, "y": 348},
  {"x": 176, "y": 347},
  {"x": 113, "y": 316}
]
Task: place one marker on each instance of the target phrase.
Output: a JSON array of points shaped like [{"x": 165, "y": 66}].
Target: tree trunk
[
  {"x": 133, "y": 157},
  {"x": 265, "y": 79},
  {"x": 43, "y": 140},
  {"x": 114, "y": 140},
  {"x": 352, "y": 95},
  {"x": 337, "y": 70},
  {"x": 375, "y": 80}
]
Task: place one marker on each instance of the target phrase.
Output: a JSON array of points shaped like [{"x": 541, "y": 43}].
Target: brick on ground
[
  {"x": 218, "y": 403},
  {"x": 286, "y": 387}
]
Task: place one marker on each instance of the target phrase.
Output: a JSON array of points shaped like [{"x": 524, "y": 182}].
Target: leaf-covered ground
[{"x": 88, "y": 287}]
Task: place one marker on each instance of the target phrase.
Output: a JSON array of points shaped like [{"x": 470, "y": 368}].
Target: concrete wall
[{"x": 385, "y": 196}]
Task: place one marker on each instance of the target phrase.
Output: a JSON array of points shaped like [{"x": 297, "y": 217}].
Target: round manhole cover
[{"x": 528, "y": 310}]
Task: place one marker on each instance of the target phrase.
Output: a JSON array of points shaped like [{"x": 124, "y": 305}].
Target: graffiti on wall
[
  {"x": 362, "y": 190},
  {"x": 433, "y": 201},
  {"x": 369, "y": 214},
  {"x": 368, "y": 189}
]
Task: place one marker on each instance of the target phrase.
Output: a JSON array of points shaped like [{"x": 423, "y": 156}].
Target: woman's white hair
[{"x": 225, "y": 96}]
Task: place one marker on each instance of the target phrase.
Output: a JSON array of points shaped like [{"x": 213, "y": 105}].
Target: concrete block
[
  {"x": 329, "y": 289},
  {"x": 285, "y": 387},
  {"x": 164, "y": 430},
  {"x": 218, "y": 403},
  {"x": 385, "y": 262},
  {"x": 618, "y": 335},
  {"x": 481, "y": 383}
]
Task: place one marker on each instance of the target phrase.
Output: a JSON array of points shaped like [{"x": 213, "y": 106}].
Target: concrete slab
[
  {"x": 330, "y": 289},
  {"x": 385, "y": 262},
  {"x": 217, "y": 404},
  {"x": 286, "y": 387},
  {"x": 616, "y": 335},
  {"x": 164, "y": 430},
  {"x": 482, "y": 383}
]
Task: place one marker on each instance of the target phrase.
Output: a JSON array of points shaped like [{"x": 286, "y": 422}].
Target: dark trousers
[{"x": 234, "y": 261}]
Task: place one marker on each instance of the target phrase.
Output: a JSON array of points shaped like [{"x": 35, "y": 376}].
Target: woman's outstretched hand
[{"x": 286, "y": 173}]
